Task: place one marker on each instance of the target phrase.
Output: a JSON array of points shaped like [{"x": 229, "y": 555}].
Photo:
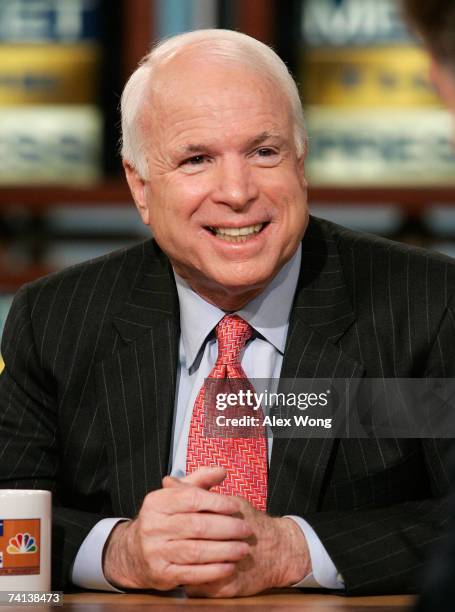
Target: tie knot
[{"x": 232, "y": 333}]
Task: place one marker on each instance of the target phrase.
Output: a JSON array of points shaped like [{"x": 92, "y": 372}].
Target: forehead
[{"x": 194, "y": 93}]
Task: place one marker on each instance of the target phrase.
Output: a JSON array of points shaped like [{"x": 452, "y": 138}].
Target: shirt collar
[{"x": 268, "y": 313}]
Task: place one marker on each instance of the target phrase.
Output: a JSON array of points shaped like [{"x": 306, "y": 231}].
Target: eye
[
  {"x": 194, "y": 164},
  {"x": 196, "y": 160},
  {"x": 266, "y": 152},
  {"x": 266, "y": 156}
]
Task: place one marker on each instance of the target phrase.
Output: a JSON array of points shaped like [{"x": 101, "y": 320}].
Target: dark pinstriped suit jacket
[{"x": 87, "y": 397}]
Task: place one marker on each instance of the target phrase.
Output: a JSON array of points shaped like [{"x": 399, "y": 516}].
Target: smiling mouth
[{"x": 237, "y": 234}]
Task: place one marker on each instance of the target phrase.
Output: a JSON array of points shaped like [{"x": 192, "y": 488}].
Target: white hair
[{"x": 227, "y": 44}]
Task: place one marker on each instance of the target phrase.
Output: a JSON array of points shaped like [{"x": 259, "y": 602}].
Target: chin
[{"x": 243, "y": 282}]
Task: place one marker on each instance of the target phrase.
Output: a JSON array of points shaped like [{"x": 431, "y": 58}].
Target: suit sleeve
[
  {"x": 29, "y": 436},
  {"x": 384, "y": 550}
]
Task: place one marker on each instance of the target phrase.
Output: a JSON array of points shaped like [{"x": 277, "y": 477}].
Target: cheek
[
  {"x": 184, "y": 198},
  {"x": 293, "y": 201},
  {"x": 295, "y": 218},
  {"x": 289, "y": 182}
]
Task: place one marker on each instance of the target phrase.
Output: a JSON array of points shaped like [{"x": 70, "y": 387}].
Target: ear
[
  {"x": 137, "y": 187},
  {"x": 301, "y": 165}
]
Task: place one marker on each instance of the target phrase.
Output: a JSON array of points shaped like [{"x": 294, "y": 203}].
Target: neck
[
  {"x": 227, "y": 301},
  {"x": 225, "y": 298}
]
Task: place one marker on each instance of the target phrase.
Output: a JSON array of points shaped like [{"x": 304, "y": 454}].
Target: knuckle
[
  {"x": 192, "y": 497},
  {"x": 166, "y": 573},
  {"x": 193, "y": 552},
  {"x": 239, "y": 550},
  {"x": 143, "y": 526},
  {"x": 164, "y": 525},
  {"x": 151, "y": 506},
  {"x": 238, "y": 527},
  {"x": 197, "y": 525},
  {"x": 140, "y": 525},
  {"x": 149, "y": 501},
  {"x": 243, "y": 507},
  {"x": 198, "y": 578},
  {"x": 167, "y": 578},
  {"x": 149, "y": 552},
  {"x": 175, "y": 552},
  {"x": 227, "y": 590}
]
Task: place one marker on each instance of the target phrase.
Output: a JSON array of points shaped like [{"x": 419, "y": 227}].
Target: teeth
[{"x": 237, "y": 234}]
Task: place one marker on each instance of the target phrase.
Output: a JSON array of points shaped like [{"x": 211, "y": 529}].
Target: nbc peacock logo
[{"x": 22, "y": 544}]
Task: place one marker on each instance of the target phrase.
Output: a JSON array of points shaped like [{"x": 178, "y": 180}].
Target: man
[
  {"x": 105, "y": 362},
  {"x": 435, "y": 22}
]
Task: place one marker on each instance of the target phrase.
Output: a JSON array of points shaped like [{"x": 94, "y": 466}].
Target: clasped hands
[{"x": 213, "y": 545}]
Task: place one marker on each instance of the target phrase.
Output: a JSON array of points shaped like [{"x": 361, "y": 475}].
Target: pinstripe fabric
[{"x": 87, "y": 397}]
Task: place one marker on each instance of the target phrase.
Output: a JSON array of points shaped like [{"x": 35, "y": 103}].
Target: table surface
[{"x": 278, "y": 601}]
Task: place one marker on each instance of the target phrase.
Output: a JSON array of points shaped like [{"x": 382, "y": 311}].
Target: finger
[
  {"x": 189, "y": 499},
  {"x": 205, "y": 526},
  {"x": 171, "y": 482},
  {"x": 202, "y": 574},
  {"x": 188, "y": 552},
  {"x": 230, "y": 586},
  {"x": 204, "y": 477}
]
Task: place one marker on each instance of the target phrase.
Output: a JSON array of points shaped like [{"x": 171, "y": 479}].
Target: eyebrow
[
  {"x": 251, "y": 143},
  {"x": 261, "y": 138}
]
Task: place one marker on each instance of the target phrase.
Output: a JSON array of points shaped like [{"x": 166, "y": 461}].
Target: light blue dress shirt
[{"x": 262, "y": 358}]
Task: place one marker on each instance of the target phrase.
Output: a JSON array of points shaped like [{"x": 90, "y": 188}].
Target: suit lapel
[
  {"x": 137, "y": 384},
  {"x": 321, "y": 314}
]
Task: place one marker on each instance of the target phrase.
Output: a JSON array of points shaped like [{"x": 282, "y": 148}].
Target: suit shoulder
[
  {"x": 353, "y": 245},
  {"x": 80, "y": 301},
  {"x": 101, "y": 283},
  {"x": 100, "y": 270},
  {"x": 382, "y": 274}
]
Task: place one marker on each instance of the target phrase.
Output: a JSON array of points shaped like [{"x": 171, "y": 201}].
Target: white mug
[{"x": 25, "y": 540}]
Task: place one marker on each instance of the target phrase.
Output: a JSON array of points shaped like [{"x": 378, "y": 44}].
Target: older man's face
[{"x": 225, "y": 196}]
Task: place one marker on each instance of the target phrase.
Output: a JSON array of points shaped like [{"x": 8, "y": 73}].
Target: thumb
[{"x": 204, "y": 477}]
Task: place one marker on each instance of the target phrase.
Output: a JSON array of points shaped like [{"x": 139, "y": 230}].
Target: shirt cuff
[
  {"x": 324, "y": 573},
  {"x": 87, "y": 569}
]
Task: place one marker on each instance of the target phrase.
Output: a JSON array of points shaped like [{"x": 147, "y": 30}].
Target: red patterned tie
[{"x": 245, "y": 459}]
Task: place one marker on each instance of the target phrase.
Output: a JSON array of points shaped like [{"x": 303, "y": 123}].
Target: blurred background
[{"x": 380, "y": 151}]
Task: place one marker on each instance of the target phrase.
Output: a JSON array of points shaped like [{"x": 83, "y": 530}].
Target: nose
[{"x": 235, "y": 184}]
